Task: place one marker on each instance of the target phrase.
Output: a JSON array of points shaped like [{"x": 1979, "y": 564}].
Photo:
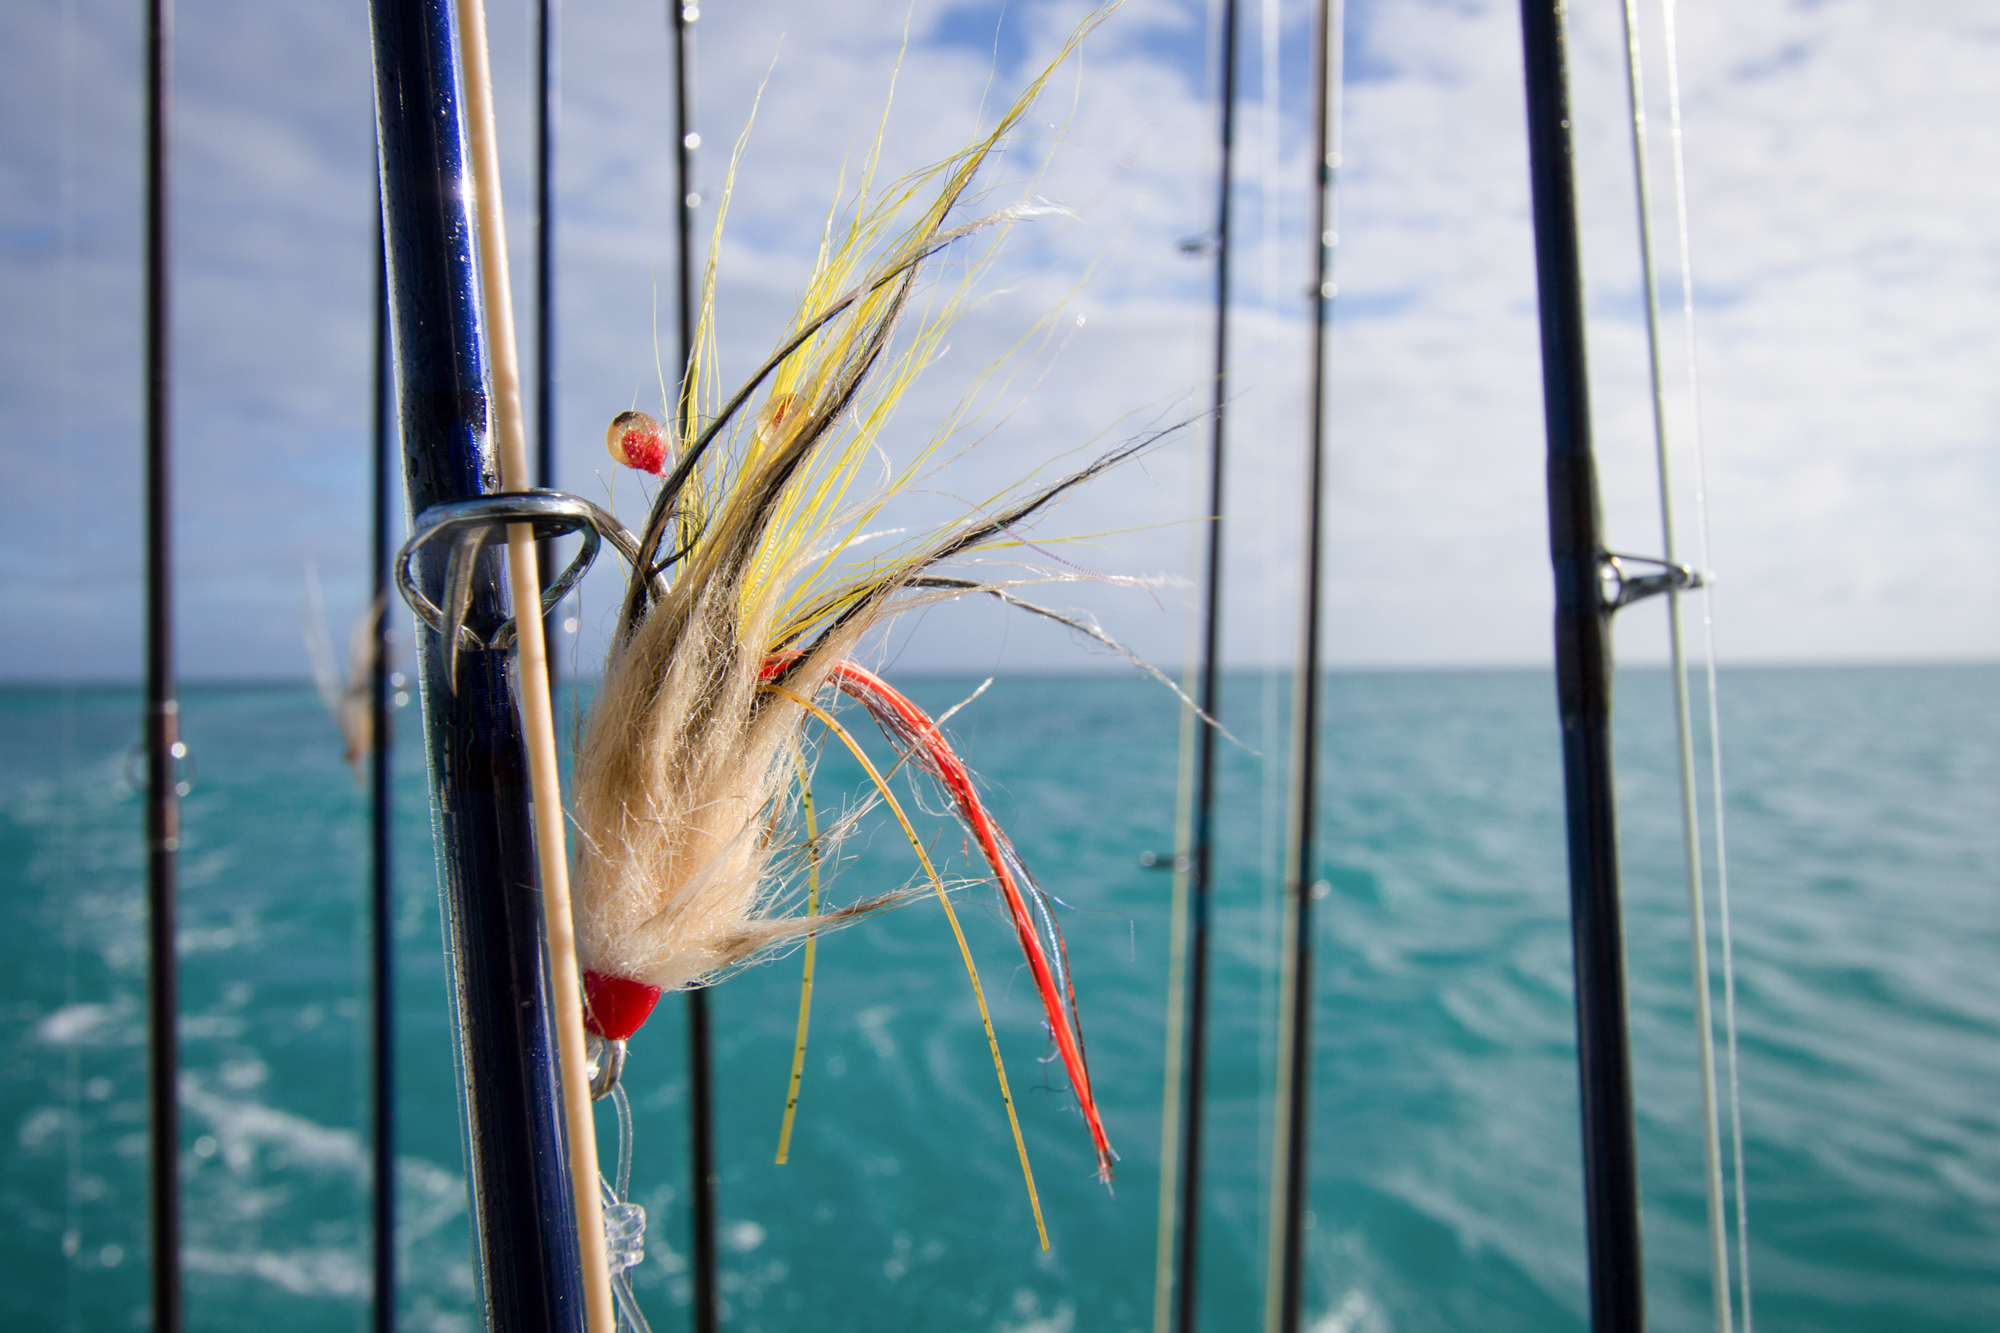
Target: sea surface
[{"x": 1863, "y": 812}]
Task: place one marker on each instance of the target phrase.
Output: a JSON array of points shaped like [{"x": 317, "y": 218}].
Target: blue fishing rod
[{"x": 522, "y": 1212}]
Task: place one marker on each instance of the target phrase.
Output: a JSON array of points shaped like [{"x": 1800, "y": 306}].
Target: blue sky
[{"x": 1847, "y": 282}]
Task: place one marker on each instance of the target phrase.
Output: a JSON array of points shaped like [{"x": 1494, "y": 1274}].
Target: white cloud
[{"x": 1847, "y": 281}]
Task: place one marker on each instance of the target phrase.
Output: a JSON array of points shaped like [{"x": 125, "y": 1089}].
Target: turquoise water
[{"x": 1865, "y": 841}]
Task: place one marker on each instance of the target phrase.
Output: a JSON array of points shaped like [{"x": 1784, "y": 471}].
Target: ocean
[{"x": 1864, "y": 840}]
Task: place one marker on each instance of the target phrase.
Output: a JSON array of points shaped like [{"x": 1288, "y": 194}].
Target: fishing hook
[{"x": 606, "y": 1061}]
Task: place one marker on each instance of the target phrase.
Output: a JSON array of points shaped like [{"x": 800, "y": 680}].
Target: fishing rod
[
  {"x": 381, "y": 830},
  {"x": 700, "y": 1056},
  {"x": 1584, "y": 607},
  {"x": 522, "y": 1210},
  {"x": 162, "y": 721},
  {"x": 548, "y": 113},
  {"x": 1200, "y": 868},
  {"x": 1291, "y": 1176}
]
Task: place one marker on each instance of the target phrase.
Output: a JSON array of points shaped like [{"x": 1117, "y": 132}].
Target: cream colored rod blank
[{"x": 544, "y": 781}]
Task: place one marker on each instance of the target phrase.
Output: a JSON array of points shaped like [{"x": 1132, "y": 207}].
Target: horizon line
[{"x": 958, "y": 673}]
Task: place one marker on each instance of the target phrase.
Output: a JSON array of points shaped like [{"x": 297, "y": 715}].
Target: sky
[{"x": 1841, "y": 184}]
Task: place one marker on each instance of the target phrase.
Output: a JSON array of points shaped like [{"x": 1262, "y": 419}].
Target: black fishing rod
[
  {"x": 1200, "y": 857},
  {"x": 381, "y": 829},
  {"x": 162, "y": 721},
  {"x": 548, "y": 112},
  {"x": 1296, "y": 1144},
  {"x": 522, "y": 1210},
  {"x": 1583, "y": 690},
  {"x": 700, "y": 1057}
]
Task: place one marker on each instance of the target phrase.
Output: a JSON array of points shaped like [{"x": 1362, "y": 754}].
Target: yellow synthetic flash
[
  {"x": 812, "y": 945},
  {"x": 964, "y": 949}
]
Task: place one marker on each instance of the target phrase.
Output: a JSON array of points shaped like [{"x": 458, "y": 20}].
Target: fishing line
[
  {"x": 1672, "y": 48},
  {"x": 1718, "y": 1228},
  {"x": 624, "y": 1222},
  {"x": 66, "y": 812}
]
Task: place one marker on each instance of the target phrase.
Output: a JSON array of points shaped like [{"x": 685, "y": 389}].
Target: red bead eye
[{"x": 637, "y": 440}]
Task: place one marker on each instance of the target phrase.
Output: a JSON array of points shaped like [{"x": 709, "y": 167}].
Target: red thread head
[{"x": 616, "y": 1007}]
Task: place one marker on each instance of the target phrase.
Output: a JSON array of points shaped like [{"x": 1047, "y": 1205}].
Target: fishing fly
[{"x": 748, "y": 602}]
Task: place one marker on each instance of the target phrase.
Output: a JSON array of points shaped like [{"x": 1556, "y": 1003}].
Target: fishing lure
[
  {"x": 740, "y": 623},
  {"x": 349, "y": 697}
]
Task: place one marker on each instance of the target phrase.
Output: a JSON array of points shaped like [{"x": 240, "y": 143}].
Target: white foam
[
  {"x": 243, "y": 1126},
  {"x": 76, "y": 1024},
  {"x": 1355, "y": 1314},
  {"x": 323, "y": 1272}
]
